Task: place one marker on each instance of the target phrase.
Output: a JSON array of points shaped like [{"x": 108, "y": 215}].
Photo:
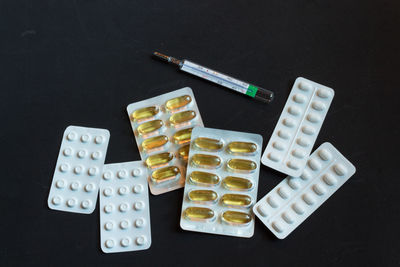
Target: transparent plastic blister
[
  {"x": 124, "y": 208},
  {"x": 286, "y": 206},
  {"x": 78, "y": 169},
  {"x": 162, "y": 126},
  {"x": 222, "y": 181},
  {"x": 298, "y": 126}
]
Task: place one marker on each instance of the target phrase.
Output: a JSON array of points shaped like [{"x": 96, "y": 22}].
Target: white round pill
[
  {"x": 86, "y": 204},
  {"x": 138, "y": 188},
  {"x": 109, "y": 243},
  {"x": 124, "y": 224},
  {"x": 138, "y": 205},
  {"x": 67, "y": 152},
  {"x": 140, "y": 222},
  {"x": 136, "y": 172},
  {"x": 99, "y": 139},
  {"x": 108, "y": 226},
  {"x": 60, "y": 184},
  {"x": 141, "y": 240},
  {"x": 123, "y": 207},
  {"x": 85, "y": 138},
  {"x": 71, "y": 202},
  {"x": 71, "y": 136},
  {"x": 56, "y": 200}
]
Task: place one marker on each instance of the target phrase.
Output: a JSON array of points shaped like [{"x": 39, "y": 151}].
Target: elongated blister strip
[
  {"x": 78, "y": 169},
  {"x": 124, "y": 208},
  {"x": 162, "y": 126},
  {"x": 298, "y": 127},
  {"x": 222, "y": 181},
  {"x": 286, "y": 206}
]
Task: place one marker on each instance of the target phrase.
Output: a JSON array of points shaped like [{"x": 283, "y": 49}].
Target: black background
[{"x": 82, "y": 62}]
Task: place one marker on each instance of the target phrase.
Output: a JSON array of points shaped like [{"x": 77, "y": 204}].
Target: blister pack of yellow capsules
[
  {"x": 162, "y": 126},
  {"x": 222, "y": 181}
]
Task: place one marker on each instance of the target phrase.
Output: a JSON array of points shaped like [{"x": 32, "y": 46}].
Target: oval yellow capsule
[
  {"x": 206, "y": 161},
  {"x": 154, "y": 142},
  {"x": 144, "y": 113},
  {"x": 182, "y": 136},
  {"x": 208, "y": 144},
  {"x": 182, "y": 117},
  {"x": 236, "y": 200},
  {"x": 241, "y": 148},
  {"x": 241, "y": 165},
  {"x": 198, "y": 214},
  {"x": 183, "y": 152},
  {"x": 204, "y": 178},
  {"x": 178, "y": 102},
  {"x": 149, "y": 127},
  {"x": 236, "y": 217},
  {"x": 202, "y": 196},
  {"x": 158, "y": 160},
  {"x": 165, "y": 174},
  {"x": 237, "y": 183}
]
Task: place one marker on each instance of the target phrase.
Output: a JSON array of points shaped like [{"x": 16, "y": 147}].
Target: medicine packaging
[
  {"x": 75, "y": 183},
  {"x": 298, "y": 126},
  {"x": 286, "y": 206},
  {"x": 124, "y": 208},
  {"x": 162, "y": 126},
  {"x": 222, "y": 181}
]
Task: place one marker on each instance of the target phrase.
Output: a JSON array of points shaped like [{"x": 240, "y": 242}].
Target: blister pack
[
  {"x": 298, "y": 127},
  {"x": 78, "y": 170},
  {"x": 286, "y": 206},
  {"x": 222, "y": 181},
  {"x": 124, "y": 208},
  {"x": 162, "y": 126}
]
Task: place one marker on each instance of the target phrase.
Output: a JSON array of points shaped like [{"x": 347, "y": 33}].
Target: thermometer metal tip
[
  {"x": 219, "y": 78},
  {"x": 167, "y": 58}
]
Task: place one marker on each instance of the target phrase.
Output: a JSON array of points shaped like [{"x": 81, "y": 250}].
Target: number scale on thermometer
[{"x": 219, "y": 78}]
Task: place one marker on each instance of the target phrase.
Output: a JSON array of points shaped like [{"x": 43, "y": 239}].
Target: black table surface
[{"x": 71, "y": 62}]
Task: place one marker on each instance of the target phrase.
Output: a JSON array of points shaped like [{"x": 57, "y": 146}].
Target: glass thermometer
[{"x": 219, "y": 78}]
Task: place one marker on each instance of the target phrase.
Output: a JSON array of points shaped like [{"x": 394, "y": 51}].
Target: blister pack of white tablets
[
  {"x": 78, "y": 170},
  {"x": 222, "y": 181},
  {"x": 294, "y": 199},
  {"x": 162, "y": 126},
  {"x": 124, "y": 208},
  {"x": 298, "y": 127}
]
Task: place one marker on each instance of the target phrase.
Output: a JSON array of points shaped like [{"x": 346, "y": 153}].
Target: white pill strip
[
  {"x": 298, "y": 127},
  {"x": 294, "y": 199},
  {"x": 78, "y": 170},
  {"x": 124, "y": 208}
]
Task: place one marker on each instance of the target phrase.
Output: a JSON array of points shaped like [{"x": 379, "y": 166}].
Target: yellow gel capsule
[
  {"x": 158, "y": 160},
  {"x": 198, "y": 214},
  {"x": 208, "y": 144},
  {"x": 165, "y": 174},
  {"x": 182, "y": 136},
  {"x": 149, "y": 127},
  {"x": 183, "y": 152},
  {"x": 241, "y": 148},
  {"x": 236, "y": 217},
  {"x": 237, "y": 183},
  {"x": 178, "y": 102},
  {"x": 236, "y": 200},
  {"x": 206, "y": 161},
  {"x": 241, "y": 165},
  {"x": 202, "y": 196},
  {"x": 144, "y": 113},
  {"x": 154, "y": 142},
  {"x": 204, "y": 178},
  {"x": 182, "y": 117}
]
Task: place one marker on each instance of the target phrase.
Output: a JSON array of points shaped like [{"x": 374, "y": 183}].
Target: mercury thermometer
[{"x": 219, "y": 78}]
